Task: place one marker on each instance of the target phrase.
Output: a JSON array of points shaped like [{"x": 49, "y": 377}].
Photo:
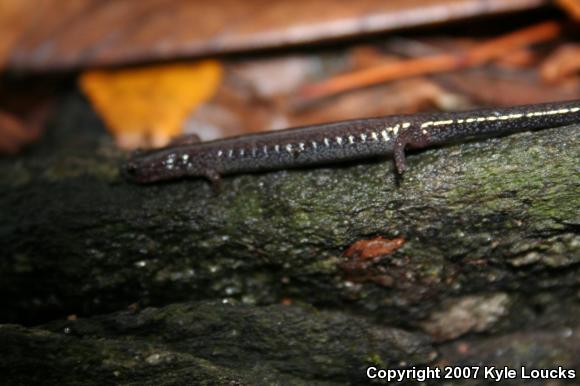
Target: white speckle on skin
[{"x": 169, "y": 162}]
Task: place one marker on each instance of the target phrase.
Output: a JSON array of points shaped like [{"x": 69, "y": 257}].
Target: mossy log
[{"x": 486, "y": 229}]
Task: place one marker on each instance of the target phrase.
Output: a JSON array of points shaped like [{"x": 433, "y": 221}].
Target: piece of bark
[
  {"x": 207, "y": 343},
  {"x": 57, "y": 35},
  {"x": 493, "y": 215}
]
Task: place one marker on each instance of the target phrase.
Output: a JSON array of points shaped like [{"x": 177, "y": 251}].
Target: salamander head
[
  {"x": 134, "y": 170},
  {"x": 156, "y": 165},
  {"x": 143, "y": 167}
]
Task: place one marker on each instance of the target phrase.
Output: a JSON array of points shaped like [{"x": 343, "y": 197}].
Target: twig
[{"x": 434, "y": 64}]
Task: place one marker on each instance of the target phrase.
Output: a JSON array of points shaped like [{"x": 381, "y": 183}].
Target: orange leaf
[{"x": 147, "y": 106}]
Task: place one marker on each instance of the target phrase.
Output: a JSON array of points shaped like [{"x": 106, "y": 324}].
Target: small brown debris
[
  {"x": 372, "y": 248},
  {"x": 363, "y": 256}
]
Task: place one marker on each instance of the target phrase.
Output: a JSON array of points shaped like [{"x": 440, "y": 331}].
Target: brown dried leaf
[
  {"x": 95, "y": 32},
  {"x": 369, "y": 249}
]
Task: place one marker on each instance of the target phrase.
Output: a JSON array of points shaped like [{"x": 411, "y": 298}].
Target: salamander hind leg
[{"x": 414, "y": 137}]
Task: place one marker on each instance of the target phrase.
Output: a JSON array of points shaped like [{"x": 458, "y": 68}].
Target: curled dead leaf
[{"x": 147, "y": 106}]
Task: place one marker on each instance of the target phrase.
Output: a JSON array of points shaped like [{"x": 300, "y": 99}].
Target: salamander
[{"x": 349, "y": 140}]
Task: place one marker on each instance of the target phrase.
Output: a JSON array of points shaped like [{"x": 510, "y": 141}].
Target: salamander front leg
[
  {"x": 399, "y": 154},
  {"x": 215, "y": 180},
  {"x": 184, "y": 140}
]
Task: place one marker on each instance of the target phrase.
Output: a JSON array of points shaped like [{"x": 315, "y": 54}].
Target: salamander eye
[{"x": 131, "y": 169}]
